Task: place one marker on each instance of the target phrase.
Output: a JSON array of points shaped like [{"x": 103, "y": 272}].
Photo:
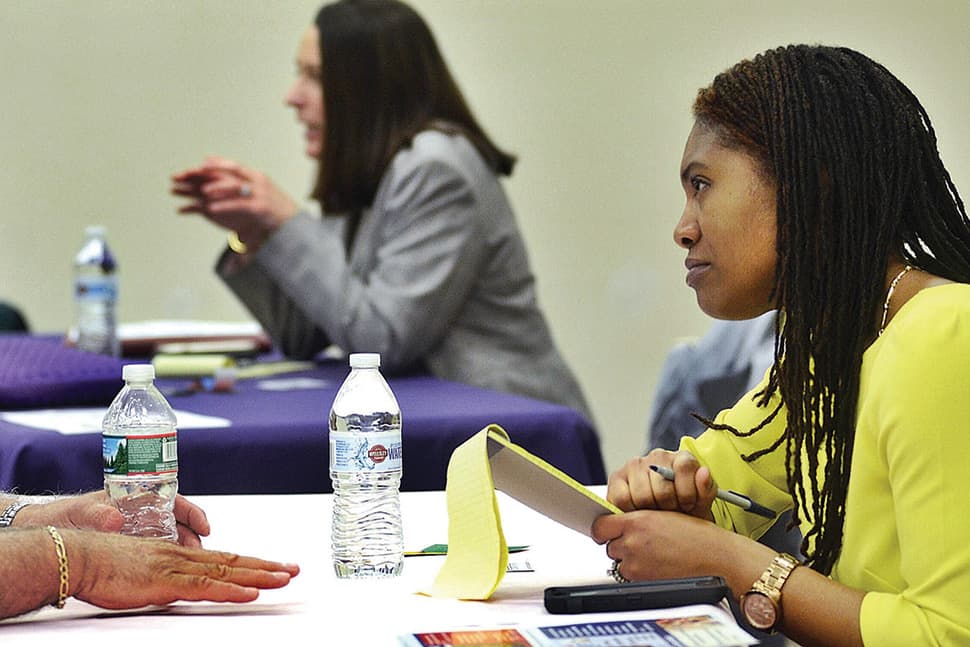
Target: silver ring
[
  {"x": 614, "y": 572},
  {"x": 245, "y": 190}
]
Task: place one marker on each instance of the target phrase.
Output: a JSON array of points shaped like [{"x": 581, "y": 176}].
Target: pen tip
[{"x": 655, "y": 468}]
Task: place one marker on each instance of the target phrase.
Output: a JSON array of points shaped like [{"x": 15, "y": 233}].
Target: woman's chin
[{"x": 313, "y": 150}]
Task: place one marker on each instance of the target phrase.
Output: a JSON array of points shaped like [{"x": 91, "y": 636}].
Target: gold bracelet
[
  {"x": 63, "y": 588},
  {"x": 235, "y": 244}
]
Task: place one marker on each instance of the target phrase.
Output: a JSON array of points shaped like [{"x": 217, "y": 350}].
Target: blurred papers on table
[{"x": 145, "y": 338}]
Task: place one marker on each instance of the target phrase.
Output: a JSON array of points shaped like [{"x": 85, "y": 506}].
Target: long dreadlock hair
[{"x": 859, "y": 181}]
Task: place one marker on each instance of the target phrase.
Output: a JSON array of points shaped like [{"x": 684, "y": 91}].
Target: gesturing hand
[{"x": 235, "y": 197}]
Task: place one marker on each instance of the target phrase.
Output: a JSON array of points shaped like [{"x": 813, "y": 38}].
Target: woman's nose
[
  {"x": 686, "y": 233},
  {"x": 294, "y": 98}
]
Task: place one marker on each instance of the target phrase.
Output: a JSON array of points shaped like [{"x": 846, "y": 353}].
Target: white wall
[{"x": 102, "y": 99}]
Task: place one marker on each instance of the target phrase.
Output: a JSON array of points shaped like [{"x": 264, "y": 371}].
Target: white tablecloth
[{"x": 317, "y": 608}]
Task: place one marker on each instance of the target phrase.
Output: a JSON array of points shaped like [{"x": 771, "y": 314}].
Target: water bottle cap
[
  {"x": 365, "y": 360},
  {"x": 94, "y": 230},
  {"x": 138, "y": 372}
]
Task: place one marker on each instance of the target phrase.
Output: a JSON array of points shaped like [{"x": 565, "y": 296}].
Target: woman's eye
[
  {"x": 308, "y": 73},
  {"x": 699, "y": 184}
]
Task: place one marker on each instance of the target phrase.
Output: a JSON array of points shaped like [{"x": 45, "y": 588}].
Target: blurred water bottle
[
  {"x": 96, "y": 294},
  {"x": 365, "y": 467},
  {"x": 140, "y": 455}
]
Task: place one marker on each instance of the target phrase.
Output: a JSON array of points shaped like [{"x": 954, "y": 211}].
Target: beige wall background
[{"x": 102, "y": 100}]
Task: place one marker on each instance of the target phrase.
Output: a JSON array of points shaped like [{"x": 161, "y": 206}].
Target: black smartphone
[{"x": 631, "y": 596}]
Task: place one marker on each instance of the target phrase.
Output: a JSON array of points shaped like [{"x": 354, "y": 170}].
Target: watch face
[{"x": 759, "y": 610}]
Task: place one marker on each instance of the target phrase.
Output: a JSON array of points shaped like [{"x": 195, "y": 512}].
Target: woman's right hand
[
  {"x": 234, "y": 197},
  {"x": 636, "y": 487}
]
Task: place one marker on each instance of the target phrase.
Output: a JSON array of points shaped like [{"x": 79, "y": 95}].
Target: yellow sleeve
[
  {"x": 915, "y": 430},
  {"x": 763, "y": 480}
]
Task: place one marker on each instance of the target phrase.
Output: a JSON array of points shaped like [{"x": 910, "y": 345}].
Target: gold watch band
[
  {"x": 776, "y": 574},
  {"x": 761, "y": 605}
]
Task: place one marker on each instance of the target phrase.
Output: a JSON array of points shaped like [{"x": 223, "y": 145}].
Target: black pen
[{"x": 724, "y": 495}]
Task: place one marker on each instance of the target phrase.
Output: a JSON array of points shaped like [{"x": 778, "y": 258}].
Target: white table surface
[{"x": 316, "y": 608}]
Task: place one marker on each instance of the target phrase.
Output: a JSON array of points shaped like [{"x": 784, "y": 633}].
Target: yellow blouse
[{"x": 907, "y": 518}]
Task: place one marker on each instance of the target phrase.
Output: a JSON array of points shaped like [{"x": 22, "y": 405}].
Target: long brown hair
[
  {"x": 384, "y": 81},
  {"x": 854, "y": 156}
]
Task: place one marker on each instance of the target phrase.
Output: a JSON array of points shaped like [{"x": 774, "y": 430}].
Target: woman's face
[
  {"x": 728, "y": 228},
  {"x": 305, "y": 96}
]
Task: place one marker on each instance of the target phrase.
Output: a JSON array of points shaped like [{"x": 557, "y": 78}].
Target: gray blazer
[{"x": 438, "y": 276}]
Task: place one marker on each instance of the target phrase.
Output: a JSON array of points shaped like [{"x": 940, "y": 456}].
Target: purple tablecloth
[{"x": 278, "y": 441}]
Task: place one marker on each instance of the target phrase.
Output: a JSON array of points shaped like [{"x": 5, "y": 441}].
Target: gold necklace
[{"x": 889, "y": 296}]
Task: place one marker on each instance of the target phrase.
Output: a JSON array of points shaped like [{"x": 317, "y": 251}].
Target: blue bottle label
[
  {"x": 90, "y": 288},
  {"x": 374, "y": 452}
]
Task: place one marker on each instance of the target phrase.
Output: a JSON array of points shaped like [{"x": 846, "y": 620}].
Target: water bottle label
[
  {"x": 375, "y": 452},
  {"x": 90, "y": 288},
  {"x": 140, "y": 455}
]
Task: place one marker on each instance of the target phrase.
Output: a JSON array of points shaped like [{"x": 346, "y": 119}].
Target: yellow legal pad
[
  {"x": 477, "y": 552},
  {"x": 199, "y": 365},
  {"x": 206, "y": 365}
]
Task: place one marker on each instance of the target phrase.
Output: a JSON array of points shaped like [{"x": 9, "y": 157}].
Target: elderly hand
[
  {"x": 234, "y": 197},
  {"x": 93, "y": 511},
  {"x": 121, "y": 572},
  {"x": 636, "y": 487}
]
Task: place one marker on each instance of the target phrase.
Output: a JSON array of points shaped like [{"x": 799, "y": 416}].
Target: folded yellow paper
[
  {"x": 477, "y": 552},
  {"x": 190, "y": 365},
  {"x": 542, "y": 487}
]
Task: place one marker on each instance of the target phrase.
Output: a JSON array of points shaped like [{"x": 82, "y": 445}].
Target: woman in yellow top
[{"x": 814, "y": 186}]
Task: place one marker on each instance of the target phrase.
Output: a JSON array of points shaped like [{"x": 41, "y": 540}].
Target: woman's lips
[{"x": 695, "y": 270}]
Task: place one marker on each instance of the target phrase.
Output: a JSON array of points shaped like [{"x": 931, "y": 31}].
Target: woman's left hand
[{"x": 658, "y": 544}]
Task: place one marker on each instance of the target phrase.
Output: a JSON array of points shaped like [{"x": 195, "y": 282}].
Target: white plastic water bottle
[
  {"x": 365, "y": 467},
  {"x": 140, "y": 455},
  {"x": 96, "y": 294}
]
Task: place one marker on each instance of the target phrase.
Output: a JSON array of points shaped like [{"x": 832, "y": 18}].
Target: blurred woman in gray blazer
[{"x": 414, "y": 252}]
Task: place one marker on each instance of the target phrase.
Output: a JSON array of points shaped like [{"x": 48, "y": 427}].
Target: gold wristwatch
[{"x": 761, "y": 605}]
